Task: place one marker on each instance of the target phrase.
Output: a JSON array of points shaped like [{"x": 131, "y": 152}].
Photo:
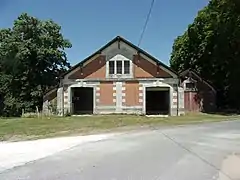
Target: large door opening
[
  {"x": 82, "y": 99},
  {"x": 157, "y": 101}
]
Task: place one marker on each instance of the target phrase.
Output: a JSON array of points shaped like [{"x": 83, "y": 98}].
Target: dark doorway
[
  {"x": 157, "y": 101},
  {"x": 82, "y": 100}
]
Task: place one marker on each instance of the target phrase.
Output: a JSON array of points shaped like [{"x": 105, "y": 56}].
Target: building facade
[
  {"x": 199, "y": 95},
  {"x": 120, "y": 78}
]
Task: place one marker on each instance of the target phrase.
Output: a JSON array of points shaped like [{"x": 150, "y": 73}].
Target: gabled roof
[
  {"x": 116, "y": 39},
  {"x": 190, "y": 72}
]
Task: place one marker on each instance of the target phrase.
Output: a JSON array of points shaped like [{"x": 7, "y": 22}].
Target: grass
[{"x": 15, "y": 129}]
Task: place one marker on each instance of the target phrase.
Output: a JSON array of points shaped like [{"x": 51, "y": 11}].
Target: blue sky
[{"x": 90, "y": 24}]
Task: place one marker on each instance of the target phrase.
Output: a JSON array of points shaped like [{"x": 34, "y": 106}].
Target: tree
[
  {"x": 32, "y": 56},
  {"x": 211, "y": 46}
]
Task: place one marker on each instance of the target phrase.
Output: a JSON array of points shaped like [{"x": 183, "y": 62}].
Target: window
[
  {"x": 111, "y": 67},
  {"x": 126, "y": 67},
  {"x": 119, "y": 67},
  {"x": 190, "y": 86}
]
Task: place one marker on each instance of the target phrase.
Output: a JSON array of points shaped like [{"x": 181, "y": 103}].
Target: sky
[{"x": 90, "y": 24}]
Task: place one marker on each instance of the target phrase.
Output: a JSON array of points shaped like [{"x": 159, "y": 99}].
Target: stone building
[{"x": 120, "y": 78}]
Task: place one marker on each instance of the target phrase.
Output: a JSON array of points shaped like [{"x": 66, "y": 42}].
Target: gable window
[
  {"x": 126, "y": 67},
  {"x": 111, "y": 67},
  {"x": 119, "y": 67},
  {"x": 190, "y": 85}
]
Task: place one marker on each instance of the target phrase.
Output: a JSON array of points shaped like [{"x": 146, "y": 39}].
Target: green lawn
[{"x": 33, "y": 128}]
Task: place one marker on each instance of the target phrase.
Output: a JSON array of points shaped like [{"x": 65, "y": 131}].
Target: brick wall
[
  {"x": 143, "y": 68},
  {"x": 93, "y": 70},
  {"x": 96, "y": 69},
  {"x": 105, "y": 94},
  {"x": 132, "y": 94}
]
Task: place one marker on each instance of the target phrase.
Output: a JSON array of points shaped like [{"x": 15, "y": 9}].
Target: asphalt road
[{"x": 194, "y": 152}]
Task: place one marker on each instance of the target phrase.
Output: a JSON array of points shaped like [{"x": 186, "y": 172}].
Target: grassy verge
[{"x": 34, "y": 128}]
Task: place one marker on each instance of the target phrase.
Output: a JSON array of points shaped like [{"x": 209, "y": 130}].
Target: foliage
[
  {"x": 32, "y": 57},
  {"x": 211, "y": 46}
]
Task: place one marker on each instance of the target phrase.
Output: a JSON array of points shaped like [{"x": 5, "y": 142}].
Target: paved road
[{"x": 142, "y": 155}]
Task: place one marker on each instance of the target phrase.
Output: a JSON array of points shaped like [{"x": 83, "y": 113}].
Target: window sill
[
  {"x": 190, "y": 89},
  {"x": 119, "y": 76}
]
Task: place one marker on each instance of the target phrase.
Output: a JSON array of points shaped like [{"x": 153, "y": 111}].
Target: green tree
[
  {"x": 32, "y": 56},
  {"x": 211, "y": 46}
]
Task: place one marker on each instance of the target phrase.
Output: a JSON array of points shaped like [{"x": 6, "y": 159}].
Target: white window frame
[
  {"x": 115, "y": 75},
  {"x": 189, "y": 81}
]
